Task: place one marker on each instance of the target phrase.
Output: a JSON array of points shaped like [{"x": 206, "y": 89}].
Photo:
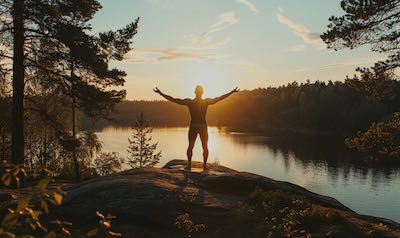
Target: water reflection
[
  {"x": 324, "y": 153},
  {"x": 321, "y": 165}
]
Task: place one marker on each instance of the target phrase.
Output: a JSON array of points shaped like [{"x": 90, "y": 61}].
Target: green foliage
[
  {"x": 373, "y": 22},
  {"x": 108, "y": 163},
  {"x": 46, "y": 149},
  {"x": 104, "y": 228},
  {"x": 64, "y": 59},
  {"x": 28, "y": 216},
  {"x": 10, "y": 174},
  {"x": 379, "y": 86},
  {"x": 141, "y": 150},
  {"x": 45, "y": 122},
  {"x": 376, "y": 23},
  {"x": 5, "y": 122},
  {"x": 282, "y": 214},
  {"x": 89, "y": 144},
  {"x": 381, "y": 139},
  {"x": 25, "y": 220},
  {"x": 183, "y": 222}
]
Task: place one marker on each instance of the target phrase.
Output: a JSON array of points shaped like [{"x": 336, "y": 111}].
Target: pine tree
[
  {"x": 368, "y": 22},
  {"x": 141, "y": 150},
  {"x": 52, "y": 36},
  {"x": 375, "y": 23}
]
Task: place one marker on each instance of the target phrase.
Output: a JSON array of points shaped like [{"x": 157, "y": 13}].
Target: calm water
[{"x": 320, "y": 166}]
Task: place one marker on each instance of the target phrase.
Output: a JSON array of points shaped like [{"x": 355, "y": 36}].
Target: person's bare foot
[
  {"x": 205, "y": 168},
  {"x": 188, "y": 168}
]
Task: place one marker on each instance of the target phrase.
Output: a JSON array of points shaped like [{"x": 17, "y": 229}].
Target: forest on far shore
[{"x": 332, "y": 108}]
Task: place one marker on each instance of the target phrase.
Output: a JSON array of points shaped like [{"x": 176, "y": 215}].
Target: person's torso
[{"x": 198, "y": 111}]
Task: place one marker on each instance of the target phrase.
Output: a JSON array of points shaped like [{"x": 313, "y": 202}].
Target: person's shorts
[{"x": 202, "y": 130}]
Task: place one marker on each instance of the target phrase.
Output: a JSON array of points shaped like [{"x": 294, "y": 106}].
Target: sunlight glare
[{"x": 214, "y": 82}]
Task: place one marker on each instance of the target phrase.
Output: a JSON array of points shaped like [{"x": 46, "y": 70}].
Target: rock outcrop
[{"x": 148, "y": 201}]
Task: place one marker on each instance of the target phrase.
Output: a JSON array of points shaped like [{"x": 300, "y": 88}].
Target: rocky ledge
[{"x": 170, "y": 202}]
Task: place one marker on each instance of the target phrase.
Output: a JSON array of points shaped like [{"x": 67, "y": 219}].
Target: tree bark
[
  {"x": 17, "y": 129},
  {"x": 74, "y": 156}
]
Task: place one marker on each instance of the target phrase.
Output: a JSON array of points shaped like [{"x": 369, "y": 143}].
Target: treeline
[{"x": 319, "y": 107}]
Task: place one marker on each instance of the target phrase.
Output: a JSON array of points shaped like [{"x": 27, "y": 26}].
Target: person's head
[{"x": 199, "y": 91}]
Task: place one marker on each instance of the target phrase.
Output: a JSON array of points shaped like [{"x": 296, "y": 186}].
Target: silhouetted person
[{"x": 198, "y": 124}]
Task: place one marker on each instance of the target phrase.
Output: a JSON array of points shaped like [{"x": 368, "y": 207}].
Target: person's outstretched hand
[
  {"x": 235, "y": 90},
  {"x": 156, "y": 90}
]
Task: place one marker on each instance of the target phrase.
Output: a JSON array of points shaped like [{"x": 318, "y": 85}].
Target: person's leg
[
  {"x": 204, "y": 143},
  {"x": 192, "y": 139}
]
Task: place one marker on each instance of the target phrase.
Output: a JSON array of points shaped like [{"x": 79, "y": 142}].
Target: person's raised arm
[
  {"x": 169, "y": 98},
  {"x": 217, "y": 99}
]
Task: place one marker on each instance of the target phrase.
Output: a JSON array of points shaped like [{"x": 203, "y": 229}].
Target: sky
[{"x": 222, "y": 44}]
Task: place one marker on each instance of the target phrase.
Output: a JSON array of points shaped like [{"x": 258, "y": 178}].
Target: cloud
[
  {"x": 202, "y": 48},
  {"x": 300, "y": 30},
  {"x": 227, "y": 18},
  {"x": 249, "y": 5},
  {"x": 350, "y": 62},
  {"x": 364, "y": 61},
  {"x": 297, "y": 48},
  {"x": 165, "y": 55},
  {"x": 205, "y": 39},
  {"x": 160, "y": 55}
]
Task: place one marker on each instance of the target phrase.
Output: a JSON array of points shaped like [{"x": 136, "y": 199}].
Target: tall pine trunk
[
  {"x": 17, "y": 129},
  {"x": 74, "y": 155}
]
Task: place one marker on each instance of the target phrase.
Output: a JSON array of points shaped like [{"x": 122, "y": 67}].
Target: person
[{"x": 198, "y": 124}]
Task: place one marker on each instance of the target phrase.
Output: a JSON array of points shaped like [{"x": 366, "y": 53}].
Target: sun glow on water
[{"x": 213, "y": 141}]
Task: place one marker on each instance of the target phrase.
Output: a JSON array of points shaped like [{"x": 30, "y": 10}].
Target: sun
[{"x": 215, "y": 82}]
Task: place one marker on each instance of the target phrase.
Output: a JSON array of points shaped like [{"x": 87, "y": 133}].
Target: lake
[{"x": 320, "y": 165}]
